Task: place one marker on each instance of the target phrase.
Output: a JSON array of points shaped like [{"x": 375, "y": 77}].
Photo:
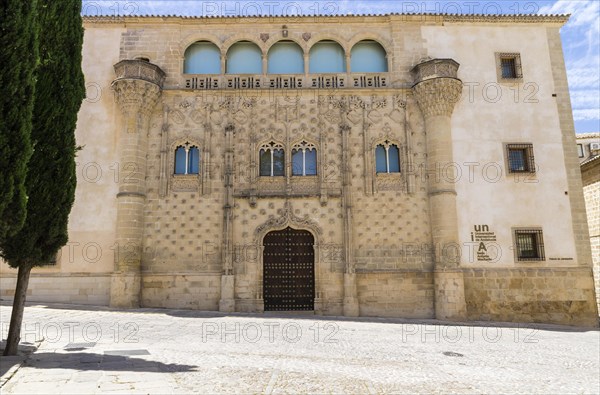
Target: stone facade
[
  {"x": 396, "y": 244},
  {"x": 590, "y": 174}
]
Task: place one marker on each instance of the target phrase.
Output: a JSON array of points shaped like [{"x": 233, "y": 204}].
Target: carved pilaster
[
  {"x": 137, "y": 90},
  {"x": 227, "y": 302},
  {"x": 164, "y": 153},
  {"x": 367, "y": 155},
  {"x": 229, "y": 203},
  {"x": 410, "y": 174},
  {"x": 206, "y": 161},
  {"x": 351, "y": 307},
  {"x": 437, "y": 89}
]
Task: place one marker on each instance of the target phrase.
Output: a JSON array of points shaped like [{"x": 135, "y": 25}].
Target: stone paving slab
[{"x": 89, "y": 350}]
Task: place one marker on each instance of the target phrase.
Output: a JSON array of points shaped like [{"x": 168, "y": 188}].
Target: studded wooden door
[{"x": 289, "y": 270}]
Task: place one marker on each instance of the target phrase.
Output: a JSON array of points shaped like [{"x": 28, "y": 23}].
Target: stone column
[
  {"x": 437, "y": 90},
  {"x": 137, "y": 89},
  {"x": 227, "y": 302},
  {"x": 351, "y": 307},
  {"x": 306, "y": 65}
]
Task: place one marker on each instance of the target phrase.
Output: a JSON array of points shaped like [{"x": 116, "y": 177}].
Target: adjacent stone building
[
  {"x": 417, "y": 166},
  {"x": 588, "y": 151}
]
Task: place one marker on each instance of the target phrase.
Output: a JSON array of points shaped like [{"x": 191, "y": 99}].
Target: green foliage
[
  {"x": 51, "y": 179},
  {"x": 18, "y": 29}
]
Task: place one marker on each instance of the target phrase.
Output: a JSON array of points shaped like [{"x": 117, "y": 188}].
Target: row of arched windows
[
  {"x": 285, "y": 57},
  {"x": 272, "y": 159}
]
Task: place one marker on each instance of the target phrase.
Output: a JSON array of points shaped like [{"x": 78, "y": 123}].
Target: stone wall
[
  {"x": 181, "y": 291},
  {"x": 183, "y": 230},
  {"x": 590, "y": 173},
  {"x": 407, "y": 294},
  {"x": 561, "y": 296},
  {"x": 77, "y": 288}
]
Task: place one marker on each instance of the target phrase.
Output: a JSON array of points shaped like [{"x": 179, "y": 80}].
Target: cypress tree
[
  {"x": 51, "y": 178},
  {"x": 18, "y": 34}
]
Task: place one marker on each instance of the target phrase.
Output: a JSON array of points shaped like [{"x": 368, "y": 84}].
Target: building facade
[
  {"x": 588, "y": 151},
  {"x": 416, "y": 166}
]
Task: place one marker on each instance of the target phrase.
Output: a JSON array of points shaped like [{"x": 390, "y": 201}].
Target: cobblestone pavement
[{"x": 89, "y": 350}]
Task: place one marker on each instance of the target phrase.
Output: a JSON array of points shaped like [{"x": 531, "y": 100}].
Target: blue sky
[{"x": 581, "y": 36}]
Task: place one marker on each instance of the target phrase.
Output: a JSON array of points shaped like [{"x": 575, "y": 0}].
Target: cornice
[{"x": 560, "y": 19}]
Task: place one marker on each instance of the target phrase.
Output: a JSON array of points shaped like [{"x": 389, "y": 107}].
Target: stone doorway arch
[{"x": 287, "y": 218}]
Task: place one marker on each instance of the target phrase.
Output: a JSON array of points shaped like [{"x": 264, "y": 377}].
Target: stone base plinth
[
  {"x": 450, "y": 295},
  {"x": 125, "y": 290},
  {"x": 227, "y": 302},
  {"x": 351, "y": 306}
]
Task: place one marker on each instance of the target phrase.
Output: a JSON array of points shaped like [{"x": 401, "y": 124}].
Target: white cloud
[
  {"x": 586, "y": 98},
  {"x": 591, "y": 114},
  {"x": 581, "y": 43},
  {"x": 583, "y": 77}
]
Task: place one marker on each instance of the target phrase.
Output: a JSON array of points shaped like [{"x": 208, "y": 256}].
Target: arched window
[
  {"x": 327, "y": 57},
  {"x": 202, "y": 57},
  {"x": 304, "y": 159},
  {"x": 387, "y": 158},
  {"x": 285, "y": 57},
  {"x": 368, "y": 56},
  {"x": 272, "y": 160},
  {"x": 187, "y": 159},
  {"x": 244, "y": 57}
]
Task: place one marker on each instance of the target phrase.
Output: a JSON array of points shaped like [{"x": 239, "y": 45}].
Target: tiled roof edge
[{"x": 514, "y": 18}]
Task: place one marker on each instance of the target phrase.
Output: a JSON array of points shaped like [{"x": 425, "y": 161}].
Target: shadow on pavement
[
  {"x": 84, "y": 361},
  {"x": 6, "y": 363}
]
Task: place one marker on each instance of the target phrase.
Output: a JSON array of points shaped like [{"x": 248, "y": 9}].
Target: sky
[{"x": 580, "y": 36}]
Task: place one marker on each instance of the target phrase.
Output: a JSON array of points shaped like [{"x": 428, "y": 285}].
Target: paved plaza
[{"x": 86, "y": 350}]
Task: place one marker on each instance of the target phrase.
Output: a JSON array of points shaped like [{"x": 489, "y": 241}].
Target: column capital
[
  {"x": 437, "y": 87},
  {"x": 138, "y": 86}
]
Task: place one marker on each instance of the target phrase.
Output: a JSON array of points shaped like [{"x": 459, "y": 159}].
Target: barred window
[
  {"x": 509, "y": 67},
  {"x": 387, "y": 158},
  {"x": 187, "y": 159},
  {"x": 304, "y": 159},
  {"x": 272, "y": 160},
  {"x": 520, "y": 158},
  {"x": 529, "y": 245}
]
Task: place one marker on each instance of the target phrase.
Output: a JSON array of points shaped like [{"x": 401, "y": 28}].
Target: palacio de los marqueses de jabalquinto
[{"x": 412, "y": 166}]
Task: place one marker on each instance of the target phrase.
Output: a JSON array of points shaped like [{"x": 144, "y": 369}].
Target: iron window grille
[
  {"x": 509, "y": 67},
  {"x": 530, "y": 245},
  {"x": 520, "y": 158}
]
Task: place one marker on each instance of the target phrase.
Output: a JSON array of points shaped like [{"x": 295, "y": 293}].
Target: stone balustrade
[{"x": 286, "y": 81}]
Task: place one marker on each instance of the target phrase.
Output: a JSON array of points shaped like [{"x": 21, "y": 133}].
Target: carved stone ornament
[
  {"x": 306, "y": 36},
  {"x": 185, "y": 183},
  {"x": 136, "y": 95},
  {"x": 264, "y": 37},
  {"x": 390, "y": 182},
  {"x": 438, "y": 96},
  {"x": 287, "y": 218}
]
